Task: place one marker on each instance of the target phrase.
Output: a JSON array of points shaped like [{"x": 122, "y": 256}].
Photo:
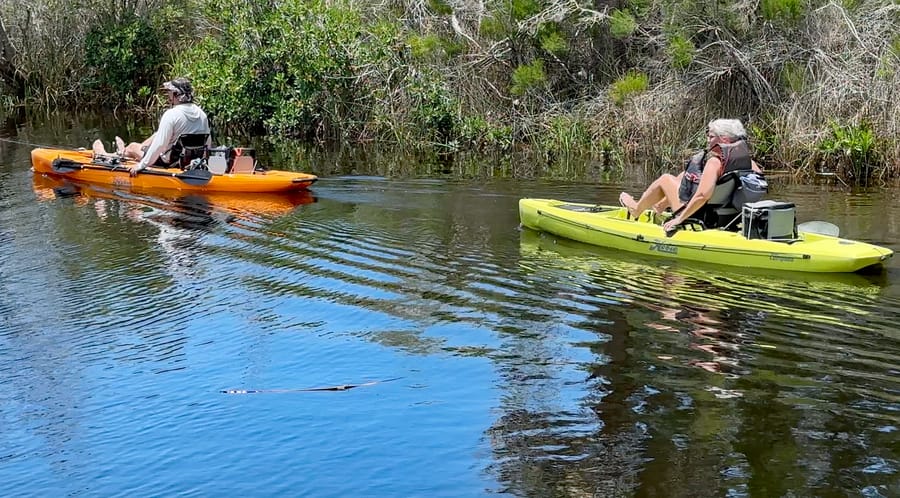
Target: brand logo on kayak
[
  {"x": 121, "y": 182},
  {"x": 783, "y": 259},
  {"x": 666, "y": 248}
]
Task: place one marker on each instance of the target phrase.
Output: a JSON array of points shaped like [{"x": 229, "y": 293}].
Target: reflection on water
[
  {"x": 236, "y": 204},
  {"x": 791, "y": 359},
  {"x": 528, "y": 366}
]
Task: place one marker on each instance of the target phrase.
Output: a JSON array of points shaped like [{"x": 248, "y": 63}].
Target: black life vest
[{"x": 735, "y": 157}]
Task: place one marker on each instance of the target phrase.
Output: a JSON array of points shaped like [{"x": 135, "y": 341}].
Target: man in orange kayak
[{"x": 182, "y": 118}]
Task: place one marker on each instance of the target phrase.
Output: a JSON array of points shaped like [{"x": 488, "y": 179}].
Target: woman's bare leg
[
  {"x": 663, "y": 189},
  {"x": 670, "y": 185}
]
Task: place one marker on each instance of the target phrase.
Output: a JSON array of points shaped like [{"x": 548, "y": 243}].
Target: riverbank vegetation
[{"x": 620, "y": 82}]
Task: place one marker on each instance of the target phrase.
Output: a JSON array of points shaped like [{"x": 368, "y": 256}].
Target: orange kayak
[{"x": 80, "y": 166}]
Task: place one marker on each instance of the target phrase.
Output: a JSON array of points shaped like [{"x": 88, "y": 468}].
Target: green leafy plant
[
  {"x": 680, "y": 50},
  {"x": 424, "y": 46},
  {"x": 122, "y": 56},
  {"x": 631, "y": 84},
  {"x": 478, "y": 133},
  {"x": 523, "y": 9},
  {"x": 789, "y": 10},
  {"x": 435, "y": 109},
  {"x": 552, "y": 39},
  {"x": 440, "y": 6},
  {"x": 851, "y": 149},
  {"x": 766, "y": 142},
  {"x": 566, "y": 134},
  {"x": 621, "y": 24},
  {"x": 527, "y": 77},
  {"x": 295, "y": 69}
]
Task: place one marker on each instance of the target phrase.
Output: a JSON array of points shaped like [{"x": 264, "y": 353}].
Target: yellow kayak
[
  {"x": 610, "y": 226},
  {"x": 81, "y": 166}
]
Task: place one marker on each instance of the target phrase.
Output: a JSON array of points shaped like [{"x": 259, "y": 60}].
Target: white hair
[{"x": 731, "y": 128}]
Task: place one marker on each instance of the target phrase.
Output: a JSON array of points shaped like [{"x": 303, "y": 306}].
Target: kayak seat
[
  {"x": 190, "y": 146},
  {"x": 719, "y": 211}
]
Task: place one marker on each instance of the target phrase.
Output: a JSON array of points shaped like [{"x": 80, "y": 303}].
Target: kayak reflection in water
[{"x": 686, "y": 194}]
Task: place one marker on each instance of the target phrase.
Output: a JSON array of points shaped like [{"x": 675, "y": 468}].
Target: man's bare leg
[
  {"x": 98, "y": 148},
  {"x": 135, "y": 150}
]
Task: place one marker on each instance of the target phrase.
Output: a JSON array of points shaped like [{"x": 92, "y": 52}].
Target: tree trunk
[{"x": 9, "y": 73}]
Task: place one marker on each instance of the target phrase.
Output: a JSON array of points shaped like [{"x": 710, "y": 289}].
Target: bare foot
[
  {"x": 98, "y": 148},
  {"x": 628, "y": 201},
  {"x": 120, "y": 146}
]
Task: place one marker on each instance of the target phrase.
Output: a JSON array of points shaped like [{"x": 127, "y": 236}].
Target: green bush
[
  {"x": 789, "y": 10},
  {"x": 425, "y": 46},
  {"x": 680, "y": 50},
  {"x": 296, "y": 69},
  {"x": 567, "y": 135},
  {"x": 851, "y": 150},
  {"x": 631, "y": 84},
  {"x": 621, "y": 24},
  {"x": 440, "y": 7},
  {"x": 523, "y": 9},
  {"x": 478, "y": 133},
  {"x": 123, "y": 58},
  {"x": 435, "y": 110},
  {"x": 552, "y": 39},
  {"x": 527, "y": 77},
  {"x": 765, "y": 142}
]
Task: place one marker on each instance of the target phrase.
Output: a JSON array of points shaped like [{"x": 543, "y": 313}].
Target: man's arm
[{"x": 161, "y": 140}]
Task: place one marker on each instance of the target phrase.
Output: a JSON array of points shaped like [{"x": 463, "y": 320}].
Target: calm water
[{"x": 488, "y": 360}]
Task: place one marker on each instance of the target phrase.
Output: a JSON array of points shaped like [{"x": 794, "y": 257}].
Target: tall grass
[{"x": 612, "y": 83}]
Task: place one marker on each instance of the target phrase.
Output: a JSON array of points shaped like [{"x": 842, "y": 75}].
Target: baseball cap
[{"x": 181, "y": 87}]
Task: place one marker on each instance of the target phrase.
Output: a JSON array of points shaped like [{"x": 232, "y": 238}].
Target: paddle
[
  {"x": 197, "y": 177},
  {"x": 819, "y": 227}
]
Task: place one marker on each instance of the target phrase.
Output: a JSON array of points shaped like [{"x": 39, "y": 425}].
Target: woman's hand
[{"x": 672, "y": 224}]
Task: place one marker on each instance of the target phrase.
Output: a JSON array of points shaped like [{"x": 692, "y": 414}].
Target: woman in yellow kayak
[
  {"x": 726, "y": 151},
  {"x": 184, "y": 117}
]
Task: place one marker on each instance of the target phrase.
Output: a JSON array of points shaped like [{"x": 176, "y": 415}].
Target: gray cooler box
[{"x": 769, "y": 220}]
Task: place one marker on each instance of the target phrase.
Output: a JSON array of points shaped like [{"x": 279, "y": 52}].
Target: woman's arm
[{"x": 701, "y": 196}]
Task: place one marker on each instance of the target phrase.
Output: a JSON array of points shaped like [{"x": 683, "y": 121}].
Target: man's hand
[{"x": 137, "y": 167}]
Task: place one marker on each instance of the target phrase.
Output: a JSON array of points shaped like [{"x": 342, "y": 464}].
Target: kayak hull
[
  {"x": 43, "y": 161},
  {"x": 609, "y": 226}
]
